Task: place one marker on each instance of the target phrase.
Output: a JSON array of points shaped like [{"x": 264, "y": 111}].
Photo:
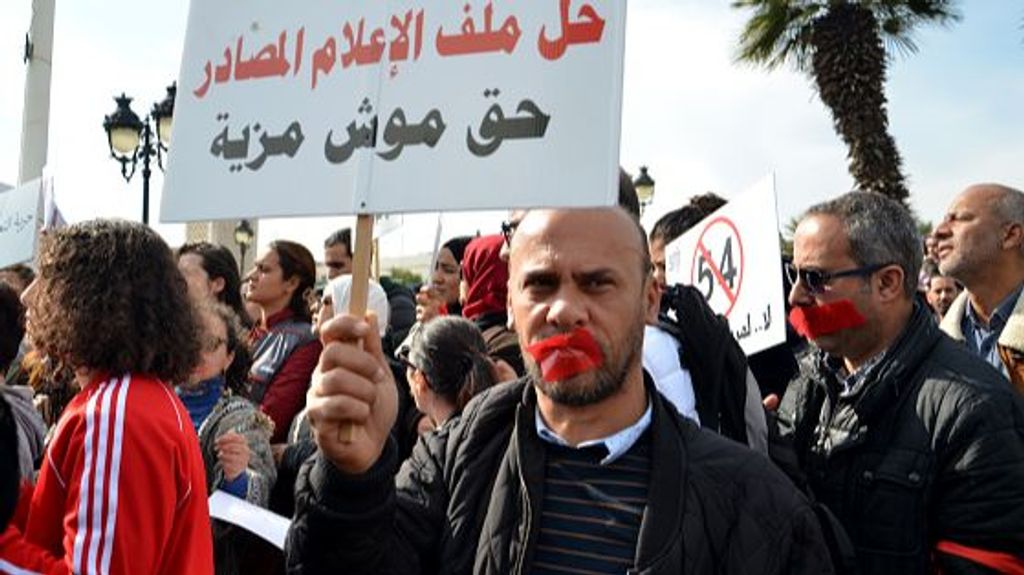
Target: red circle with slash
[{"x": 714, "y": 271}]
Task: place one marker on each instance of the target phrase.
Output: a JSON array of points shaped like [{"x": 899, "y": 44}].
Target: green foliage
[
  {"x": 845, "y": 46},
  {"x": 786, "y": 236},
  {"x": 924, "y": 229},
  {"x": 405, "y": 277}
]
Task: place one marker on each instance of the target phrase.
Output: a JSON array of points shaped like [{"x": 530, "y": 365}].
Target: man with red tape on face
[
  {"x": 581, "y": 466},
  {"x": 913, "y": 442}
]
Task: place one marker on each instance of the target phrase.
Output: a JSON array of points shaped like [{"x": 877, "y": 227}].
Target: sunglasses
[
  {"x": 816, "y": 281},
  {"x": 402, "y": 355},
  {"x": 508, "y": 227}
]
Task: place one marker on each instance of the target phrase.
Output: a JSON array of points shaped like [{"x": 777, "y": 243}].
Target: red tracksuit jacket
[{"x": 121, "y": 490}]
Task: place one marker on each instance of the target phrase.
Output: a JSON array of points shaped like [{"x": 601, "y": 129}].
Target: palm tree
[{"x": 842, "y": 45}]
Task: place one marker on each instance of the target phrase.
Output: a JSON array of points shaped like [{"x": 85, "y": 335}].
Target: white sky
[{"x": 700, "y": 121}]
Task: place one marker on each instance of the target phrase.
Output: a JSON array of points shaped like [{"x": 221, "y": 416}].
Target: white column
[{"x": 35, "y": 120}]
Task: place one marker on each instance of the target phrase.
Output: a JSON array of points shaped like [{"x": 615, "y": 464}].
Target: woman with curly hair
[
  {"x": 212, "y": 273},
  {"x": 121, "y": 487},
  {"x": 285, "y": 351},
  {"x": 234, "y": 436}
]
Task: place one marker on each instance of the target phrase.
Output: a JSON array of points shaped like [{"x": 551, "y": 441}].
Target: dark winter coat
[
  {"x": 468, "y": 501},
  {"x": 929, "y": 447}
]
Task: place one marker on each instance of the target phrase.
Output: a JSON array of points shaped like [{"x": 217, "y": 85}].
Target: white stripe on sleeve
[
  {"x": 115, "y": 474},
  {"x": 83, "y": 481}
]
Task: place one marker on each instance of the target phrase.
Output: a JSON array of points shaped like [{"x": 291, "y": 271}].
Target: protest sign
[
  {"x": 733, "y": 257},
  {"x": 360, "y": 107},
  {"x": 19, "y": 222}
]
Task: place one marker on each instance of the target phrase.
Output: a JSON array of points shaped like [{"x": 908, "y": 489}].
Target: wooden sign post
[{"x": 360, "y": 291}]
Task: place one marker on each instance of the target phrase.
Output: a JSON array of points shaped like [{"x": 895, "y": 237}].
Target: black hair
[
  {"x": 219, "y": 262},
  {"x": 451, "y": 353},
  {"x": 679, "y": 221},
  {"x": 10, "y": 474},
  {"x": 238, "y": 372},
  {"x": 628, "y": 200},
  {"x": 12, "y": 325},
  {"x": 457, "y": 246},
  {"x": 342, "y": 237},
  {"x": 296, "y": 261}
]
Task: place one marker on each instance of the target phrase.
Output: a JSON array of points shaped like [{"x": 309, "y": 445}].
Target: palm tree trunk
[{"x": 849, "y": 65}]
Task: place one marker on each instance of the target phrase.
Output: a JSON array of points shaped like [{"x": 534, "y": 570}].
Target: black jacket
[
  {"x": 9, "y": 474},
  {"x": 468, "y": 500},
  {"x": 716, "y": 362},
  {"x": 928, "y": 447}
]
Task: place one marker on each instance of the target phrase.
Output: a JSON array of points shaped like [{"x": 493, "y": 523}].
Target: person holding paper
[
  {"x": 121, "y": 489},
  {"x": 234, "y": 436},
  {"x": 442, "y": 296},
  {"x": 518, "y": 483}
]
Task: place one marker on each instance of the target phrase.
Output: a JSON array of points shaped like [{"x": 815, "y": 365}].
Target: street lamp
[
  {"x": 644, "y": 185},
  {"x": 130, "y": 139},
  {"x": 243, "y": 237}
]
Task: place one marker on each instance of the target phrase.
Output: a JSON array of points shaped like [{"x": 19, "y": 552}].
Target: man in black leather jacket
[
  {"x": 484, "y": 493},
  {"x": 915, "y": 444}
]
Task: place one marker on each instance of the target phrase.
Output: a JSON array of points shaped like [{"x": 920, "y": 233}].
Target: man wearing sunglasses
[{"x": 913, "y": 442}]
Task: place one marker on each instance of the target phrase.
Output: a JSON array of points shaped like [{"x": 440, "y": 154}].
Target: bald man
[
  {"x": 580, "y": 465},
  {"x": 980, "y": 243}
]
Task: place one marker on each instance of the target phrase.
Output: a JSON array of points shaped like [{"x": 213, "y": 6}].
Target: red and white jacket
[{"x": 122, "y": 489}]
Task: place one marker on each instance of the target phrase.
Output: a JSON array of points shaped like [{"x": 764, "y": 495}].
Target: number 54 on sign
[{"x": 733, "y": 257}]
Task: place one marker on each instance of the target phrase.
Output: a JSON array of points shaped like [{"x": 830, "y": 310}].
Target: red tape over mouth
[
  {"x": 566, "y": 355},
  {"x": 818, "y": 320}
]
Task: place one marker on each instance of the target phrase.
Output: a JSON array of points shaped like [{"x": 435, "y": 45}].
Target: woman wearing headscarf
[
  {"x": 442, "y": 296},
  {"x": 300, "y": 444},
  {"x": 485, "y": 283}
]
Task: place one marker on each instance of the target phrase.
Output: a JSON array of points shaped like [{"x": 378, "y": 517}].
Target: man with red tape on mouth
[
  {"x": 912, "y": 441},
  {"x": 579, "y": 466}
]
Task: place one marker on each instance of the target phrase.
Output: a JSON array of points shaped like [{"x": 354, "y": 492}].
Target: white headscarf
[{"x": 340, "y": 289}]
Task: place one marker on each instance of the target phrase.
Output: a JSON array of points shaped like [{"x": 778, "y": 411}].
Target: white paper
[
  {"x": 265, "y": 524},
  {"x": 19, "y": 220}
]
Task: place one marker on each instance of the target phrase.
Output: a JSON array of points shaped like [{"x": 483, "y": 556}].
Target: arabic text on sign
[{"x": 359, "y": 44}]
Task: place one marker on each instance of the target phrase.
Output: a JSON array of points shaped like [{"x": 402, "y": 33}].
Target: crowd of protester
[{"x": 545, "y": 402}]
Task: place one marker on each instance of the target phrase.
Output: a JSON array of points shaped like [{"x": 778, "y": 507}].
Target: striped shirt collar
[{"x": 617, "y": 443}]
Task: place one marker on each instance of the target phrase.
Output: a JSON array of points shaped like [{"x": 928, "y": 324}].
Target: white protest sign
[
  {"x": 372, "y": 107},
  {"x": 19, "y": 222},
  {"x": 733, "y": 257}
]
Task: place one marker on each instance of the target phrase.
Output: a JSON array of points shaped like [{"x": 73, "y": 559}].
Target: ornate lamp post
[
  {"x": 131, "y": 139},
  {"x": 243, "y": 237},
  {"x": 644, "y": 185}
]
